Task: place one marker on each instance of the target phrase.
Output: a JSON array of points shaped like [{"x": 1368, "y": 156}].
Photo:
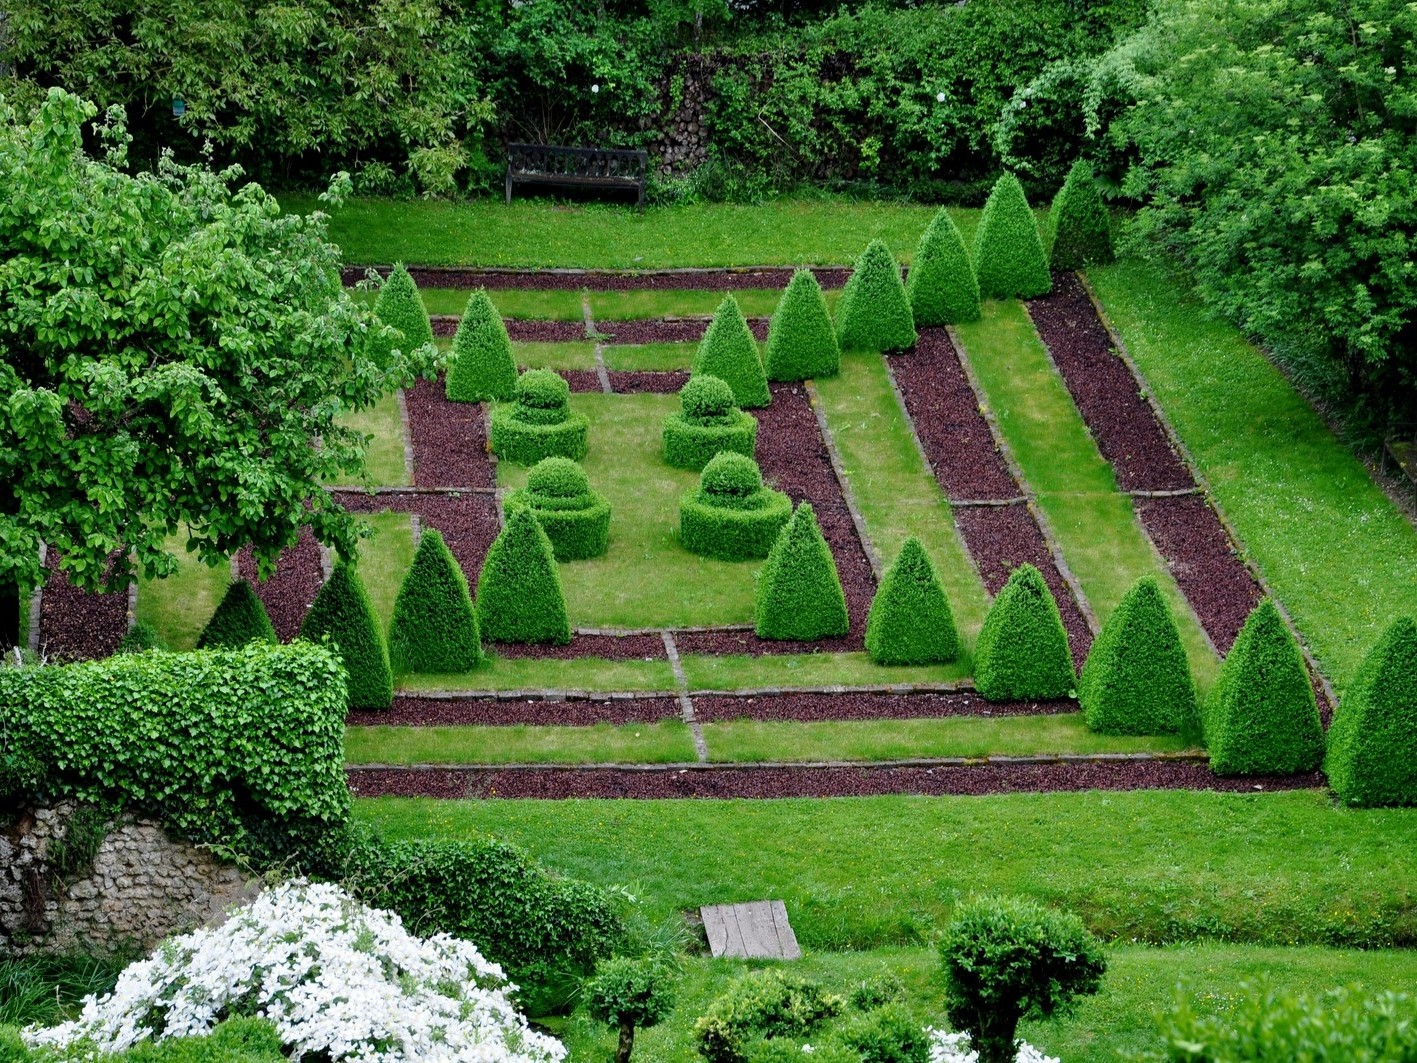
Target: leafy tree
[
  {"x": 802, "y": 341},
  {"x": 483, "y": 365},
  {"x": 627, "y": 993},
  {"x": 1008, "y": 253},
  {"x": 400, "y": 306},
  {"x": 910, "y": 620},
  {"x": 1022, "y": 650},
  {"x": 729, "y": 352},
  {"x": 239, "y": 619},
  {"x": 519, "y": 596},
  {"x": 434, "y": 628},
  {"x": 799, "y": 594},
  {"x": 942, "y": 287},
  {"x": 1372, "y": 745},
  {"x": 1079, "y": 232},
  {"x": 873, "y": 313},
  {"x": 341, "y": 612}
]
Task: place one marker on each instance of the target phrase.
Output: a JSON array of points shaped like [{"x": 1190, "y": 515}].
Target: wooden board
[{"x": 758, "y": 930}]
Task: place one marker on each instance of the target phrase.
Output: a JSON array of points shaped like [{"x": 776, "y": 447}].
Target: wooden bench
[
  {"x": 1401, "y": 451},
  {"x": 551, "y": 164}
]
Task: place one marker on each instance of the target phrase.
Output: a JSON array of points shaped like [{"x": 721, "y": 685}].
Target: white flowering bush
[
  {"x": 954, "y": 1048},
  {"x": 337, "y": 979}
]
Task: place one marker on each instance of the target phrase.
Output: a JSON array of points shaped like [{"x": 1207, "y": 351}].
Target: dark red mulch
[
  {"x": 545, "y": 331},
  {"x": 468, "y": 522},
  {"x": 289, "y": 593},
  {"x": 412, "y": 711},
  {"x": 605, "y": 280},
  {"x": 609, "y": 647},
  {"x": 75, "y": 624},
  {"x": 582, "y": 380},
  {"x": 647, "y": 382},
  {"x": 449, "y": 439},
  {"x": 856, "y": 706},
  {"x": 664, "y": 330},
  {"x": 1107, "y": 394}
]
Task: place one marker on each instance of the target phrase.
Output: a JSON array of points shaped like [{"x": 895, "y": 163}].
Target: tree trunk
[{"x": 627, "y": 1042}]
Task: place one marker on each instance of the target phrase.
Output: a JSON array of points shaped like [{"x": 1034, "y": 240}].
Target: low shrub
[
  {"x": 434, "y": 627},
  {"x": 140, "y": 638},
  {"x": 910, "y": 621},
  {"x": 247, "y": 1040},
  {"x": 1372, "y": 745},
  {"x": 483, "y": 365},
  {"x": 1022, "y": 651},
  {"x": 873, "y": 313},
  {"x": 941, "y": 285},
  {"x": 802, "y": 343},
  {"x": 729, "y": 352},
  {"x": 1008, "y": 254},
  {"x": 1079, "y": 232},
  {"x": 731, "y": 516},
  {"x": 627, "y": 993},
  {"x": 891, "y": 1033},
  {"x": 399, "y": 305},
  {"x": 239, "y": 619},
  {"x": 762, "y": 1005},
  {"x": 341, "y": 612},
  {"x": 575, "y": 518},
  {"x": 709, "y": 422},
  {"x": 799, "y": 593},
  {"x": 519, "y": 596},
  {"x": 539, "y": 423}
]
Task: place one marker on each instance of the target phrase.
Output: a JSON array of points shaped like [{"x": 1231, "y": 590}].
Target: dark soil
[
  {"x": 712, "y": 280},
  {"x": 291, "y": 590},
  {"x": 647, "y": 382},
  {"x": 609, "y": 647},
  {"x": 582, "y": 380},
  {"x": 414, "y": 711},
  {"x": 78, "y": 625},
  {"x": 854, "y": 706},
  {"x": 449, "y": 439},
  {"x": 668, "y": 330},
  {"x": 544, "y": 331}
]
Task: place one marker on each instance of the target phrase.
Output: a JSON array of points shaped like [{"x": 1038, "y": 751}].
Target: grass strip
[
  {"x": 664, "y": 742},
  {"x": 743, "y": 672},
  {"x": 383, "y": 456},
  {"x": 522, "y": 303},
  {"x": 654, "y": 357},
  {"x": 384, "y": 560},
  {"x": 179, "y": 606},
  {"x": 532, "y": 355}
]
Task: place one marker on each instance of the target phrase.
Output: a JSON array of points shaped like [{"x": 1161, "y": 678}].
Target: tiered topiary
[
  {"x": 1261, "y": 718},
  {"x": 239, "y": 619},
  {"x": 1079, "y": 232},
  {"x": 1022, "y": 652},
  {"x": 483, "y": 366},
  {"x": 873, "y": 313},
  {"x": 802, "y": 342},
  {"x": 400, "y": 306},
  {"x": 1136, "y": 680},
  {"x": 799, "y": 594},
  {"x": 708, "y": 422},
  {"x": 1372, "y": 745},
  {"x": 1008, "y": 254},
  {"x": 942, "y": 287},
  {"x": 729, "y": 352},
  {"x": 731, "y": 516},
  {"x": 539, "y": 424},
  {"x": 575, "y": 518},
  {"x": 519, "y": 596},
  {"x": 434, "y": 630},
  {"x": 910, "y": 621},
  {"x": 342, "y": 612}
]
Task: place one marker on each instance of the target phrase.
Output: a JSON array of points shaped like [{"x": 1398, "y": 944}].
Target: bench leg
[
  {"x": 640, "y": 202},
  {"x": 509, "y": 188}
]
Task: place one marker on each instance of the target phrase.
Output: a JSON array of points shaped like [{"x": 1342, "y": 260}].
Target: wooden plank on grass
[{"x": 756, "y": 930}]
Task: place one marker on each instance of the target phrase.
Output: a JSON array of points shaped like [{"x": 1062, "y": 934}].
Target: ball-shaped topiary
[
  {"x": 1079, "y": 232},
  {"x": 519, "y": 596},
  {"x": 729, "y": 352},
  {"x": 483, "y": 367},
  {"x": 539, "y": 423},
  {"x": 799, "y": 593},
  {"x": 910, "y": 621},
  {"x": 709, "y": 422},
  {"x": 341, "y": 612},
  {"x": 399, "y": 305},
  {"x": 434, "y": 629},
  {"x": 802, "y": 343},
  {"x": 239, "y": 619},
  {"x": 575, "y": 518},
  {"x": 627, "y": 993},
  {"x": 731, "y": 516},
  {"x": 555, "y": 479},
  {"x": 942, "y": 287},
  {"x": 1372, "y": 745},
  {"x": 1008, "y": 253},
  {"x": 873, "y": 313},
  {"x": 1022, "y": 652},
  {"x": 707, "y": 400},
  {"x": 1136, "y": 680}
]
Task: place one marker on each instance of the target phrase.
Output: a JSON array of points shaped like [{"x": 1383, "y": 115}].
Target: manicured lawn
[
  {"x": 665, "y": 742},
  {"x": 179, "y": 606},
  {"x": 655, "y": 357},
  {"x": 739, "y": 672},
  {"x": 554, "y": 355},
  {"x": 383, "y": 456},
  {"x": 524, "y": 673}
]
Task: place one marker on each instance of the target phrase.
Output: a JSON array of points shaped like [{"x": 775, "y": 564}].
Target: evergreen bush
[
  {"x": 708, "y": 422},
  {"x": 519, "y": 596},
  {"x": 483, "y": 366},
  {"x": 873, "y": 313},
  {"x": 399, "y": 305},
  {"x": 239, "y": 619},
  {"x": 627, "y": 993},
  {"x": 731, "y": 516},
  {"x": 1372, "y": 745},
  {"x": 910, "y": 621},
  {"x": 802, "y": 342},
  {"x": 342, "y": 612},
  {"x": 434, "y": 629},
  {"x": 1022, "y": 652},
  {"x": 941, "y": 285},
  {"x": 1008, "y": 254},
  {"x": 575, "y": 518},
  {"x": 539, "y": 423},
  {"x": 799, "y": 594},
  {"x": 729, "y": 352},
  {"x": 1079, "y": 232}
]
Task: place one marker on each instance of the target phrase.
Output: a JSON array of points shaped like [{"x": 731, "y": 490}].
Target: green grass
[
  {"x": 656, "y": 357},
  {"x": 665, "y": 742},
  {"x": 738, "y": 672},
  {"x": 384, "y": 560},
  {"x": 179, "y": 606},
  {"x": 383, "y": 456},
  {"x": 522, "y": 303},
  {"x": 1336, "y": 551},
  {"x": 577, "y": 355},
  {"x": 631, "y": 305},
  {"x": 524, "y": 673}
]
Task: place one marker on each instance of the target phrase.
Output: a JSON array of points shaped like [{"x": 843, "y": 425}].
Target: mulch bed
[
  {"x": 413, "y": 711},
  {"x": 76, "y": 624},
  {"x": 668, "y": 330},
  {"x": 608, "y": 647},
  {"x": 543, "y": 331},
  {"x": 291, "y": 590},
  {"x": 468, "y": 523},
  {"x": 647, "y": 382},
  {"x": 582, "y": 380},
  {"x": 604, "y": 280},
  {"x": 449, "y": 439},
  {"x": 859, "y": 706}
]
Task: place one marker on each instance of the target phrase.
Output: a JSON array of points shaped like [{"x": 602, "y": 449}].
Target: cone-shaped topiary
[
  {"x": 802, "y": 342},
  {"x": 873, "y": 313},
  {"x": 1079, "y": 233},
  {"x": 1261, "y": 718},
  {"x": 519, "y": 596},
  {"x": 434, "y": 630},
  {"x": 942, "y": 287},
  {"x": 729, "y": 352},
  {"x": 1008, "y": 254},
  {"x": 910, "y": 621},
  {"x": 732, "y": 516},
  {"x": 539, "y": 423},
  {"x": 799, "y": 593},
  {"x": 342, "y": 611},
  {"x": 239, "y": 619},
  {"x": 400, "y": 306},
  {"x": 708, "y": 423},
  {"x": 483, "y": 366},
  {"x": 1136, "y": 680},
  {"x": 1372, "y": 745},
  {"x": 575, "y": 518},
  {"x": 1022, "y": 652}
]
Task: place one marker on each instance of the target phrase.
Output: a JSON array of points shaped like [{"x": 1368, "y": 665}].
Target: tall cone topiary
[
  {"x": 342, "y": 612},
  {"x": 873, "y": 313},
  {"x": 519, "y": 596},
  {"x": 400, "y": 306},
  {"x": 1261, "y": 718},
  {"x": 1079, "y": 233},
  {"x": 1008, "y": 254},
  {"x": 799, "y": 594},
  {"x": 434, "y": 629},
  {"x": 1136, "y": 680},
  {"x": 483, "y": 366},
  {"x": 729, "y": 352},
  {"x": 238, "y": 620},
  {"x": 1022, "y": 652},
  {"x": 1372, "y": 745},
  {"x": 910, "y": 621},
  {"x": 802, "y": 342},
  {"x": 941, "y": 286}
]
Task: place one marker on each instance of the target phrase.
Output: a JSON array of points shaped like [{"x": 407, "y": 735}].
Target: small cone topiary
[
  {"x": 910, "y": 621},
  {"x": 1008, "y": 254},
  {"x": 1372, "y": 745},
  {"x": 802, "y": 341},
  {"x": 519, "y": 596},
  {"x": 1079, "y": 233},
  {"x": 799, "y": 594},
  {"x": 434, "y": 629},
  {"x": 238, "y": 620},
  {"x": 942, "y": 287},
  {"x": 1261, "y": 718},
  {"x": 1136, "y": 680},
  {"x": 1022, "y": 652},
  {"x": 400, "y": 306},
  {"x": 729, "y": 352},
  {"x": 483, "y": 366},
  {"x": 873, "y": 313},
  {"x": 342, "y": 612}
]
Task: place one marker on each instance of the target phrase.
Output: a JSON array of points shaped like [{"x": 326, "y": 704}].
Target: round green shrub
[
  {"x": 799, "y": 593},
  {"x": 708, "y": 423},
  {"x": 341, "y": 612},
  {"x": 553, "y": 481},
  {"x": 1079, "y": 231},
  {"x": 802, "y": 343},
  {"x": 707, "y": 400},
  {"x": 731, "y": 477},
  {"x": 399, "y": 305},
  {"x": 519, "y": 596},
  {"x": 891, "y": 1033},
  {"x": 729, "y": 352},
  {"x": 575, "y": 518},
  {"x": 910, "y": 621},
  {"x": 1372, "y": 745},
  {"x": 434, "y": 628},
  {"x": 239, "y": 619},
  {"x": 1022, "y": 652},
  {"x": 140, "y": 638},
  {"x": 941, "y": 285},
  {"x": 873, "y": 313},
  {"x": 731, "y": 516},
  {"x": 483, "y": 365},
  {"x": 627, "y": 993},
  {"x": 1008, "y": 253},
  {"x": 539, "y": 423}
]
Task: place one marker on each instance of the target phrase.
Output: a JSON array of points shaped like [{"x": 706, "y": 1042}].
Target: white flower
[
  {"x": 595, "y": 88},
  {"x": 939, "y": 97},
  {"x": 954, "y": 1048}
]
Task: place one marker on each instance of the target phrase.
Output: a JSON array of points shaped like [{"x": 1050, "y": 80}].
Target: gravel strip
[
  {"x": 605, "y": 280},
  {"x": 850, "y": 705},
  {"x": 582, "y": 380},
  {"x": 449, "y": 439},
  {"x": 413, "y": 711},
  {"x": 607, "y": 647},
  {"x": 75, "y": 624},
  {"x": 544, "y": 331},
  {"x": 646, "y": 382},
  {"x": 668, "y": 330},
  {"x": 291, "y": 590}
]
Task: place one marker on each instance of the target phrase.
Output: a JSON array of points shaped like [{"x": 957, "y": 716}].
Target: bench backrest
[{"x": 576, "y": 162}]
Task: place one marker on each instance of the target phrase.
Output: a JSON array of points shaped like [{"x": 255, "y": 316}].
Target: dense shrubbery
[
  {"x": 539, "y": 423},
  {"x": 341, "y": 612},
  {"x": 1079, "y": 232},
  {"x": 483, "y": 366},
  {"x": 1022, "y": 652},
  {"x": 434, "y": 628},
  {"x": 239, "y": 619},
  {"x": 941, "y": 286},
  {"x": 729, "y": 352},
  {"x": 575, "y": 518},
  {"x": 873, "y": 313},
  {"x": 731, "y": 516},
  {"x": 708, "y": 422},
  {"x": 910, "y": 620},
  {"x": 519, "y": 596},
  {"x": 799, "y": 594},
  {"x": 1372, "y": 744},
  {"x": 1008, "y": 253},
  {"x": 762, "y": 1005},
  {"x": 802, "y": 342},
  {"x": 400, "y": 306}
]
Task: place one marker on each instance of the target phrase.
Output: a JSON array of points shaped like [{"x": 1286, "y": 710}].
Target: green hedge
[
  {"x": 729, "y": 352},
  {"x": 1008, "y": 254},
  {"x": 708, "y": 422},
  {"x": 873, "y": 313},
  {"x": 941, "y": 285},
  {"x": 342, "y": 612},
  {"x": 239, "y": 619},
  {"x": 799, "y": 593},
  {"x": 539, "y": 423},
  {"x": 731, "y": 516},
  {"x": 434, "y": 628},
  {"x": 1079, "y": 231},
  {"x": 1022, "y": 652},
  {"x": 1136, "y": 680},
  {"x": 1372, "y": 745},
  {"x": 483, "y": 365},
  {"x": 519, "y": 596},
  {"x": 399, "y": 305},
  {"x": 575, "y": 518},
  {"x": 910, "y": 621},
  {"x": 802, "y": 343}
]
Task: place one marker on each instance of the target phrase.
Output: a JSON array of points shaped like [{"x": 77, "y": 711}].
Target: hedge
[
  {"x": 802, "y": 342},
  {"x": 708, "y": 422},
  {"x": 799, "y": 593},
  {"x": 342, "y": 612},
  {"x": 910, "y": 621},
  {"x": 873, "y": 313},
  {"x": 1372, "y": 745},
  {"x": 731, "y": 516},
  {"x": 483, "y": 366},
  {"x": 1008, "y": 254},
  {"x": 539, "y": 423},
  {"x": 434, "y": 628},
  {"x": 575, "y": 518},
  {"x": 239, "y": 619},
  {"x": 1022, "y": 652},
  {"x": 729, "y": 352},
  {"x": 942, "y": 287},
  {"x": 400, "y": 306},
  {"x": 519, "y": 596},
  {"x": 1261, "y": 718},
  {"x": 1137, "y": 680},
  {"x": 1079, "y": 232}
]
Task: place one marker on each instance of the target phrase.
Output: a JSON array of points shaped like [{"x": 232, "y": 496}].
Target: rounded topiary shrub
[
  {"x": 799, "y": 593},
  {"x": 731, "y": 516},
  {"x": 802, "y": 343},
  {"x": 575, "y": 518},
  {"x": 519, "y": 596},
  {"x": 539, "y": 422},
  {"x": 483, "y": 366},
  {"x": 729, "y": 352},
  {"x": 1022, "y": 652},
  {"x": 910, "y": 621},
  {"x": 709, "y": 422},
  {"x": 1008, "y": 253},
  {"x": 434, "y": 629},
  {"x": 873, "y": 313},
  {"x": 1372, "y": 745},
  {"x": 1079, "y": 232},
  {"x": 399, "y": 305},
  {"x": 941, "y": 286},
  {"x": 341, "y": 612},
  {"x": 239, "y": 619}
]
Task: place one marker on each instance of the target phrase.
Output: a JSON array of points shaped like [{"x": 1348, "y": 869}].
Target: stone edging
[{"x": 37, "y": 603}]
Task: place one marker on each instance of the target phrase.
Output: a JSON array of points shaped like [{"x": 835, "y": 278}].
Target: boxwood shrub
[
  {"x": 942, "y": 287},
  {"x": 873, "y": 313},
  {"x": 519, "y": 596},
  {"x": 434, "y": 628},
  {"x": 1079, "y": 231},
  {"x": 729, "y": 352},
  {"x": 760, "y": 1005},
  {"x": 731, "y": 516},
  {"x": 399, "y": 305},
  {"x": 802, "y": 342},
  {"x": 708, "y": 423},
  {"x": 1022, "y": 652},
  {"x": 239, "y": 619},
  {"x": 1372, "y": 745},
  {"x": 483, "y": 365},
  {"x": 341, "y": 612},
  {"x": 575, "y": 518},
  {"x": 799, "y": 593},
  {"x": 1008, "y": 254},
  {"x": 539, "y": 423},
  {"x": 910, "y": 621}
]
